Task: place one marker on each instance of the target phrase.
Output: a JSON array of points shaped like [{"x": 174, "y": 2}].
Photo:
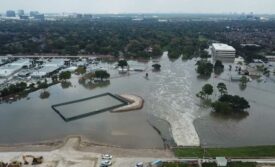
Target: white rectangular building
[{"x": 223, "y": 52}]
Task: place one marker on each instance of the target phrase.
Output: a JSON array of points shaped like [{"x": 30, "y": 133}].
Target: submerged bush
[{"x": 44, "y": 95}]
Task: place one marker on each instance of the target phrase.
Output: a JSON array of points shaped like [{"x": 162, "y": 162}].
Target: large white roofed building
[
  {"x": 223, "y": 52},
  {"x": 10, "y": 69}
]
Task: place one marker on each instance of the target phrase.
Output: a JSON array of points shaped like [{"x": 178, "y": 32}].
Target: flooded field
[
  {"x": 255, "y": 129},
  {"x": 170, "y": 109}
]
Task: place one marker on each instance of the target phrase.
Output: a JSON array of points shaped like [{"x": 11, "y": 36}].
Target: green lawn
[
  {"x": 260, "y": 151},
  {"x": 242, "y": 164},
  {"x": 177, "y": 164},
  {"x": 232, "y": 164},
  {"x": 209, "y": 165}
]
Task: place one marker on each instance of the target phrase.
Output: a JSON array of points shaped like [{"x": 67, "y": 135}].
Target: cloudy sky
[{"x": 141, "y": 6}]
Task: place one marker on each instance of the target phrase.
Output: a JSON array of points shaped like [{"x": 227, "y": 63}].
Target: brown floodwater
[{"x": 168, "y": 94}]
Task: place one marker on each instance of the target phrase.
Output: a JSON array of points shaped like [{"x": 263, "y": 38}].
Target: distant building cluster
[
  {"x": 20, "y": 14},
  {"x": 36, "y": 15}
]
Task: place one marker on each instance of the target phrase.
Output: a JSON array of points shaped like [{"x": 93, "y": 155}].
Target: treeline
[
  {"x": 13, "y": 89},
  {"x": 122, "y": 36},
  {"x": 104, "y": 36}
]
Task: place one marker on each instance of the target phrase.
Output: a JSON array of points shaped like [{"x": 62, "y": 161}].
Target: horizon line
[{"x": 140, "y": 13}]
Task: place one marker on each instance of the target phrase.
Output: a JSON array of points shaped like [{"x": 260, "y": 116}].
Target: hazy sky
[{"x": 141, "y": 6}]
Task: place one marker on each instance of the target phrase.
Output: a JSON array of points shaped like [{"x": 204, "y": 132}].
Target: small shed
[{"x": 221, "y": 161}]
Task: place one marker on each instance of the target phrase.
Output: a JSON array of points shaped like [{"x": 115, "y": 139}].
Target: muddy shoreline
[{"x": 85, "y": 145}]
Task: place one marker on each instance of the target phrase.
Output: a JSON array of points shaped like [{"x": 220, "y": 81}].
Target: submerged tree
[
  {"x": 102, "y": 74},
  {"x": 230, "y": 104},
  {"x": 222, "y": 88},
  {"x": 44, "y": 94},
  {"x": 65, "y": 75},
  {"x": 243, "y": 82},
  {"x": 54, "y": 78},
  {"x": 218, "y": 67},
  {"x": 122, "y": 63},
  {"x": 205, "y": 68},
  {"x": 13, "y": 89},
  {"x": 156, "y": 67},
  {"x": 66, "y": 84},
  {"x": 80, "y": 70},
  {"x": 206, "y": 91}
]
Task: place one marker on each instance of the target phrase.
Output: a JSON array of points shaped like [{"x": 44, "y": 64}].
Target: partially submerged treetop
[
  {"x": 222, "y": 88},
  {"x": 65, "y": 75},
  {"x": 122, "y": 63},
  {"x": 102, "y": 74},
  {"x": 205, "y": 68},
  {"x": 156, "y": 66}
]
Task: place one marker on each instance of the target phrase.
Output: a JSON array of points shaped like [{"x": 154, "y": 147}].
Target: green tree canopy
[
  {"x": 205, "y": 68},
  {"x": 122, "y": 63},
  {"x": 156, "y": 67},
  {"x": 44, "y": 95},
  {"x": 237, "y": 103},
  {"x": 206, "y": 91},
  {"x": 80, "y": 70},
  {"x": 13, "y": 89},
  {"x": 222, "y": 88},
  {"x": 222, "y": 107},
  {"x": 102, "y": 74},
  {"x": 218, "y": 67},
  {"x": 243, "y": 80},
  {"x": 65, "y": 75}
]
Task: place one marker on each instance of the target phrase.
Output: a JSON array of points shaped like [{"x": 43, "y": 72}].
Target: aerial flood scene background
[
  {"x": 137, "y": 83},
  {"x": 172, "y": 114}
]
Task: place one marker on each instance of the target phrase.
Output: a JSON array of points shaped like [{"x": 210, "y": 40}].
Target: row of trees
[
  {"x": 13, "y": 89},
  {"x": 118, "y": 36},
  {"x": 104, "y": 36},
  {"x": 205, "y": 67},
  {"x": 22, "y": 86}
]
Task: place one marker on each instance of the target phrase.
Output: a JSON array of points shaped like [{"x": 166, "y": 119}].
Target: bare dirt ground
[{"x": 75, "y": 153}]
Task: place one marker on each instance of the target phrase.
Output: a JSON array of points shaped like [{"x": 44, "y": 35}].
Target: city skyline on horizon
[{"x": 142, "y": 6}]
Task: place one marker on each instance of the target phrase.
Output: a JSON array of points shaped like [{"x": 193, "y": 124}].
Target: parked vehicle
[
  {"x": 107, "y": 156},
  {"x": 105, "y": 163},
  {"x": 139, "y": 164}
]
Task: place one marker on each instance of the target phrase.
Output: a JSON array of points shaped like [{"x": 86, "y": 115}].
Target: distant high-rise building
[
  {"x": 24, "y": 17},
  {"x": 33, "y": 13},
  {"x": 20, "y": 12},
  {"x": 10, "y": 13},
  {"x": 87, "y": 16},
  {"x": 223, "y": 52},
  {"x": 39, "y": 17},
  {"x": 79, "y": 16}
]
